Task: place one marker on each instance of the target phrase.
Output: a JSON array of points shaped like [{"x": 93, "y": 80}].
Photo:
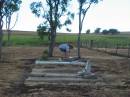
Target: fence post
[
  {"x": 87, "y": 43},
  {"x": 117, "y": 47},
  {"x": 91, "y": 44},
  {"x": 129, "y": 50},
  {"x": 81, "y": 43},
  {"x": 106, "y": 45}
]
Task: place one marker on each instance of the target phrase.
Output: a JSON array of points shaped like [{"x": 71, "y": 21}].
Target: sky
[{"x": 105, "y": 15}]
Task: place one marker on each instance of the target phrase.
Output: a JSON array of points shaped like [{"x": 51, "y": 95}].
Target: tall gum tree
[
  {"x": 84, "y": 6},
  {"x": 52, "y": 11},
  {"x": 5, "y": 6},
  {"x": 12, "y": 7}
]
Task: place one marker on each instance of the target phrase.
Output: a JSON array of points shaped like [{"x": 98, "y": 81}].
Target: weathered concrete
[
  {"x": 60, "y": 62},
  {"x": 59, "y": 73},
  {"x": 56, "y": 79},
  {"x": 53, "y": 75},
  {"x": 56, "y": 70},
  {"x": 61, "y": 84}
]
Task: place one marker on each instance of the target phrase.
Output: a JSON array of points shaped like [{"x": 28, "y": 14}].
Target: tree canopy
[
  {"x": 52, "y": 11},
  {"x": 9, "y": 6},
  {"x": 111, "y": 31},
  {"x": 43, "y": 31},
  {"x": 97, "y": 31}
]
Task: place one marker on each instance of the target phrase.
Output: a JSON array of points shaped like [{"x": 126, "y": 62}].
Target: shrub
[
  {"x": 45, "y": 54},
  {"x": 42, "y": 31}
]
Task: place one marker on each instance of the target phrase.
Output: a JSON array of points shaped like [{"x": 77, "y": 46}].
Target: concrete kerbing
[
  {"x": 83, "y": 72},
  {"x": 60, "y": 62}
]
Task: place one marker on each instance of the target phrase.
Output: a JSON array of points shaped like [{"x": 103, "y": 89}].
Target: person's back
[{"x": 65, "y": 48}]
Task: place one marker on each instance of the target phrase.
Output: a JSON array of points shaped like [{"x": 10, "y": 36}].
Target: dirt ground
[
  {"x": 120, "y": 52},
  {"x": 17, "y": 63}
]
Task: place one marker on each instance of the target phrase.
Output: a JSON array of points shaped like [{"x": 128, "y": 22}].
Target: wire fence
[{"x": 118, "y": 49}]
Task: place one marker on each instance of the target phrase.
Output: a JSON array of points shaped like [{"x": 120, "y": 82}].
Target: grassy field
[{"x": 32, "y": 39}]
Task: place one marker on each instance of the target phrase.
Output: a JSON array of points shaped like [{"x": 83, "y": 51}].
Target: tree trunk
[
  {"x": 79, "y": 34},
  {"x": 1, "y": 26},
  {"x": 1, "y": 38},
  {"x": 78, "y": 44},
  {"x": 9, "y": 36},
  {"x": 8, "y": 29},
  {"x": 52, "y": 43}
]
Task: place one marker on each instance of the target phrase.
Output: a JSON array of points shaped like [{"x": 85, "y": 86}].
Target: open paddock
[
  {"x": 114, "y": 51},
  {"x": 113, "y": 75}
]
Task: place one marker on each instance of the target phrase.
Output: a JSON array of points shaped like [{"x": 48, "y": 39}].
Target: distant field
[
  {"x": 111, "y": 39},
  {"x": 31, "y": 38}
]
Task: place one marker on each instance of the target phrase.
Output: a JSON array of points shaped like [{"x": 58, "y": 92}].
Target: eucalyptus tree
[
  {"x": 12, "y": 6},
  {"x": 6, "y": 7},
  {"x": 84, "y": 6},
  {"x": 52, "y": 12},
  {"x": 97, "y": 31}
]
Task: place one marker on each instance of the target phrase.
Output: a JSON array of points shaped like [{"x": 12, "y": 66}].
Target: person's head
[{"x": 70, "y": 46}]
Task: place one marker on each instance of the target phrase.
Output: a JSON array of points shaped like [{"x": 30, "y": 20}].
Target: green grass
[
  {"x": 109, "y": 39},
  {"x": 66, "y": 38},
  {"x": 33, "y": 39}
]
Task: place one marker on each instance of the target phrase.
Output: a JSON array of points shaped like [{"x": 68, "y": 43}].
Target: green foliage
[
  {"x": 88, "y": 1},
  {"x": 84, "y": 6},
  {"x": 42, "y": 31},
  {"x": 110, "y": 31},
  {"x": 105, "y": 32},
  {"x": 10, "y": 6},
  {"x": 88, "y": 31},
  {"x": 36, "y": 8},
  {"x": 97, "y": 31},
  {"x": 113, "y": 31},
  {"x": 52, "y": 11},
  {"x": 45, "y": 55},
  {"x": 7, "y": 8}
]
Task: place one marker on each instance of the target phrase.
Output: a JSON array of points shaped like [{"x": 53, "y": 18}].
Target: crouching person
[{"x": 65, "y": 48}]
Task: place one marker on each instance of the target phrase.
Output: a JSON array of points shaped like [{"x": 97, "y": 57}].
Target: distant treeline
[{"x": 111, "y": 31}]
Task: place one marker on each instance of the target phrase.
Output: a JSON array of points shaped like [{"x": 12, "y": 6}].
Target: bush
[
  {"x": 45, "y": 54},
  {"x": 97, "y": 31},
  {"x": 110, "y": 31},
  {"x": 88, "y": 31},
  {"x": 42, "y": 31}
]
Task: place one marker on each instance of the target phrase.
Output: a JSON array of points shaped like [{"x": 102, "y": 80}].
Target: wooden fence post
[
  {"x": 129, "y": 50},
  {"x": 91, "y": 44},
  {"x": 81, "y": 43},
  {"x": 117, "y": 47},
  {"x": 85, "y": 44},
  {"x": 106, "y": 46}
]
